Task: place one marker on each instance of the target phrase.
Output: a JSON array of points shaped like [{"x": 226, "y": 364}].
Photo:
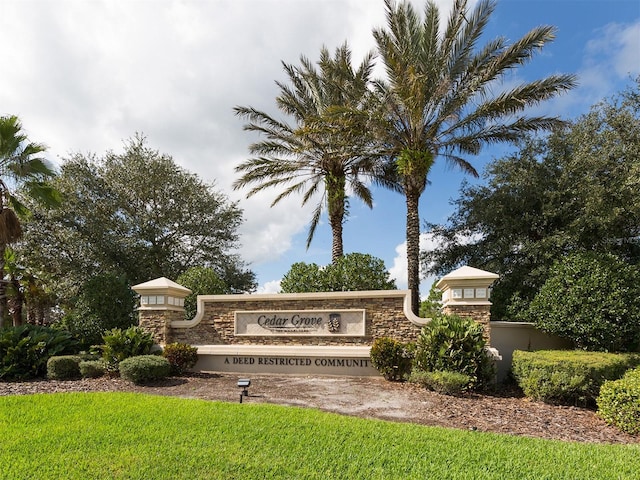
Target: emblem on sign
[{"x": 334, "y": 322}]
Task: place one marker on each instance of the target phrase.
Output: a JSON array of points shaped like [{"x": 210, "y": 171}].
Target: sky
[{"x": 85, "y": 75}]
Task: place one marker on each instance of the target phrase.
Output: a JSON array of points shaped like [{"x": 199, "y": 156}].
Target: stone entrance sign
[
  {"x": 321, "y": 332},
  {"x": 308, "y": 323}
]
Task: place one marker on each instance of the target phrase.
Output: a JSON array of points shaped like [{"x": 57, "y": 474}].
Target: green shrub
[
  {"x": 122, "y": 344},
  {"x": 144, "y": 368},
  {"x": 567, "y": 376},
  {"x": 64, "y": 367},
  {"x": 92, "y": 368},
  {"x": 105, "y": 301},
  {"x": 619, "y": 402},
  {"x": 442, "y": 381},
  {"x": 593, "y": 300},
  {"x": 393, "y": 359},
  {"x": 455, "y": 344},
  {"x": 181, "y": 356},
  {"x": 25, "y": 350}
]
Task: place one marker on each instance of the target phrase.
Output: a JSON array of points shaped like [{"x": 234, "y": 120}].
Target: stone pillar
[
  {"x": 161, "y": 303},
  {"x": 465, "y": 292}
]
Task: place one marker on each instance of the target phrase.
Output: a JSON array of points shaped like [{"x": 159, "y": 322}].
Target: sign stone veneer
[{"x": 327, "y": 333}]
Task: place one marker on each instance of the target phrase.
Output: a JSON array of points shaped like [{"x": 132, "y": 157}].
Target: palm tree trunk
[
  {"x": 337, "y": 250},
  {"x": 16, "y": 302},
  {"x": 413, "y": 250},
  {"x": 4, "y": 306},
  {"x": 335, "y": 185}
]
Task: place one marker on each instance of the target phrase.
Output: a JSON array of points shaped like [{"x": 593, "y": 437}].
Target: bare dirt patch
[{"x": 368, "y": 397}]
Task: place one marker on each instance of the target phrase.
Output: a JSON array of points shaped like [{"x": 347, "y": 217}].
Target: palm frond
[
  {"x": 326, "y": 102},
  {"x": 313, "y": 224}
]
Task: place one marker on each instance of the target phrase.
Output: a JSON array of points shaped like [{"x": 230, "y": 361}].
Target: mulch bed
[{"x": 369, "y": 397}]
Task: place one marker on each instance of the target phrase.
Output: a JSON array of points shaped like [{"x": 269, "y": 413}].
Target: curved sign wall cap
[{"x": 275, "y": 297}]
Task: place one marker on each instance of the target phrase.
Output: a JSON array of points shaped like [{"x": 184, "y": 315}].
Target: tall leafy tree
[
  {"x": 23, "y": 173},
  {"x": 438, "y": 98},
  {"x": 575, "y": 190},
  {"x": 318, "y": 154},
  {"x": 135, "y": 214}
]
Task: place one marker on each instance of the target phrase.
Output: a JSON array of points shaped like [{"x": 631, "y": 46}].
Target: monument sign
[{"x": 314, "y": 323}]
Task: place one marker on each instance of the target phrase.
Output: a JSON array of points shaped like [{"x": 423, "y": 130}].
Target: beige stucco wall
[{"x": 510, "y": 336}]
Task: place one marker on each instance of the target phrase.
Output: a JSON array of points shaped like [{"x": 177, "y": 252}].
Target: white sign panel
[{"x": 321, "y": 323}]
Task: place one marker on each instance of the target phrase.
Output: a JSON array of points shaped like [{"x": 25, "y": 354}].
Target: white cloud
[
  {"x": 84, "y": 76},
  {"x": 399, "y": 269},
  {"x": 618, "y": 44},
  {"x": 610, "y": 57},
  {"x": 270, "y": 287},
  {"x": 267, "y": 231}
]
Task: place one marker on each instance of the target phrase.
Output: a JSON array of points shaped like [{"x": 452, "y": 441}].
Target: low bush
[
  {"x": 455, "y": 344},
  {"x": 25, "y": 350},
  {"x": 567, "y": 376},
  {"x": 144, "y": 368},
  {"x": 393, "y": 359},
  {"x": 181, "y": 356},
  {"x": 64, "y": 367},
  {"x": 122, "y": 344},
  {"x": 92, "y": 368},
  {"x": 619, "y": 402},
  {"x": 442, "y": 381}
]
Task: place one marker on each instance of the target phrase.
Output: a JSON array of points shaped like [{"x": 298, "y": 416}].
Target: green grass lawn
[{"x": 119, "y": 435}]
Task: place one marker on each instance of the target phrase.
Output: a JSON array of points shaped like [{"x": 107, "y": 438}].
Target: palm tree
[
  {"x": 438, "y": 99},
  {"x": 321, "y": 152},
  {"x": 22, "y": 172}
]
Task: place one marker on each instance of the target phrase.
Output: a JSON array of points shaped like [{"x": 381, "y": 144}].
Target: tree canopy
[
  {"x": 136, "y": 214},
  {"x": 574, "y": 190},
  {"x": 353, "y": 272},
  {"x": 201, "y": 281}
]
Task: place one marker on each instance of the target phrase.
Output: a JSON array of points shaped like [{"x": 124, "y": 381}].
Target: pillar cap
[
  {"x": 467, "y": 273},
  {"x": 164, "y": 284},
  {"x": 161, "y": 294},
  {"x": 466, "y": 286}
]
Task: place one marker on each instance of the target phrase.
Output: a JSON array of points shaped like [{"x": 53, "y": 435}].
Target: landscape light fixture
[{"x": 244, "y": 383}]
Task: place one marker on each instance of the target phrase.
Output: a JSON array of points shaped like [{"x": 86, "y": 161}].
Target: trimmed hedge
[
  {"x": 619, "y": 402},
  {"x": 442, "y": 381},
  {"x": 144, "y": 368},
  {"x": 64, "y": 367},
  {"x": 92, "y": 368},
  {"x": 568, "y": 376}
]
